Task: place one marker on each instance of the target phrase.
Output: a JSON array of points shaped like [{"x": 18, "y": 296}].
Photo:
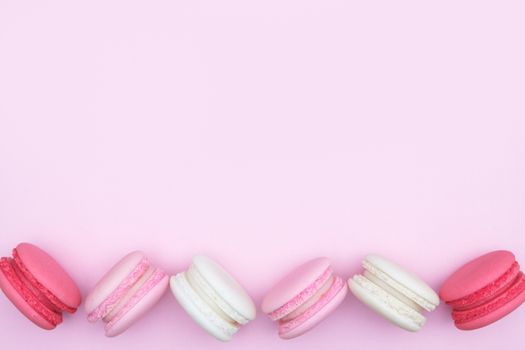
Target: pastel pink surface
[
  {"x": 294, "y": 283},
  {"x": 14, "y": 296},
  {"x": 476, "y": 274},
  {"x": 262, "y": 133},
  {"x": 112, "y": 280},
  {"x": 310, "y": 321},
  {"x": 148, "y": 301},
  {"x": 47, "y": 271}
]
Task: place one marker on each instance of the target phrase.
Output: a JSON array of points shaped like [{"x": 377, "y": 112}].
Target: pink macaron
[
  {"x": 305, "y": 297},
  {"x": 38, "y": 286},
  {"x": 484, "y": 290},
  {"x": 125, "y": 293}
]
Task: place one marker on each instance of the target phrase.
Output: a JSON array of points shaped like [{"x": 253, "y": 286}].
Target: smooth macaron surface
[
  {"x": 484, "y": 290},
  {"x": 38, "y": 285},
  {"x": 304, "y": 297},
  {"x": 126, "y": 292},
  {"x": 213, "y": 298},
  {"x": 393, "y": 292}
]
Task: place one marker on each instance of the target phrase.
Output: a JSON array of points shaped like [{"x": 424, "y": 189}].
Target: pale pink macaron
[
  {"x": 130, "y": 289},
  {"x": 304, "y": 297}
]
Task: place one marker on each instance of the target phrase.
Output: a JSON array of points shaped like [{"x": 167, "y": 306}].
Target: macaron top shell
[
  {"x": 405, "y": 278},
  {"x": 225, "y": 286},
  {"x": 294, "y": 283},
  {"x": 112, "y": 279},
  {"x": 49, "y": 273},
  {"x": 477, "y": 274}
]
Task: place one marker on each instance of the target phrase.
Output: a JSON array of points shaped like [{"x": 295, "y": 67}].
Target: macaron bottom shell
[{"x": 316, "y": 313}]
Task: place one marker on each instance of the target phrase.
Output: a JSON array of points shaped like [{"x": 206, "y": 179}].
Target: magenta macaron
[
  {"x": 305, "y": 297},
  {"x": 38, "y": 286},
  {"x": 125, "y": 293},
  {"x": 484, "y": 290}
]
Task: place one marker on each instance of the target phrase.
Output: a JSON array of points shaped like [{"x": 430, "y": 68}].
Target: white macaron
[
  {"x": 394, "y": 293},
  {"x": 213, "y": 298}
]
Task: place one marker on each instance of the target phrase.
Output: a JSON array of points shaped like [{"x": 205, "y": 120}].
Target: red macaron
[
  {"x": 38, "y": 286},
  {"x": 484, "y": 290}
]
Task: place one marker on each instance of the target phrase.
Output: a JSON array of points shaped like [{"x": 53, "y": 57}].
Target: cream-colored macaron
[
  {"x": 391, "y": 291},
  {"x": 213, "y": 298}
]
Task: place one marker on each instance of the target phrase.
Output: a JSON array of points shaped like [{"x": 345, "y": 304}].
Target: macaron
[
  {"x": 38, "y": 286},
  {"x": 484, "y": 290},
  {"x": 393, "y": 292},
  {"x": 213, "y": 298},
  {"x": 304, "y": 297},
  {"x": 125, "y": 293}
]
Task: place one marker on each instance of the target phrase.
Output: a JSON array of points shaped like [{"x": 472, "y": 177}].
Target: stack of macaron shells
[
  {"x": 304, "y": 297},
  {"x": 393, "y": 292},
  {"x": 38, "y": 286},
  {"x": 125, "y": 293},
  {"x": 213, "y": 298},
  {"x": 484, "y": 290}
]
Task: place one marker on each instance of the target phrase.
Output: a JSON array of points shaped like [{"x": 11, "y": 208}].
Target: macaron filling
[
  {"x": 157, "y": 276},
  {"x": 516, "y": 288},
  {"x": 488, "y": 292},
  {"x": 336, "y": 286},
  {"x": 12, "y": 273},
  {"x": 104, "y": 308},
  {"x": 302, "y": 297}
]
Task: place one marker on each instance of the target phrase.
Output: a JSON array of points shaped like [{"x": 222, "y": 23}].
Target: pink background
[{"x": 262, "y": 133}]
